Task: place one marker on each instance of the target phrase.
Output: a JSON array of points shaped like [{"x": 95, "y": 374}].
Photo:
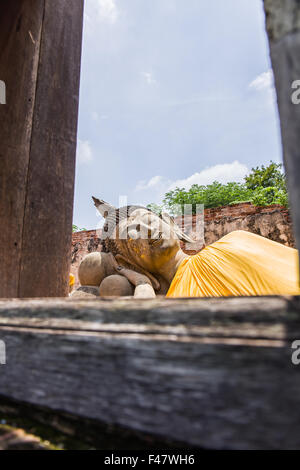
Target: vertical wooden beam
[
  {"x": 40, "y": 52},
  {"x": 20, "y": 32},
  {"x": 48, "y": 213},
  {"x": 283, "y": 27}
]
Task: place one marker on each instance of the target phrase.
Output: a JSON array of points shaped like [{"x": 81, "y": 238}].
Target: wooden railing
[{"x": 208, "y": 373}]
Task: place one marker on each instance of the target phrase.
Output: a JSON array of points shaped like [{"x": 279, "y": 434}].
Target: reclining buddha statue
[{"x": 141, "y": 256}]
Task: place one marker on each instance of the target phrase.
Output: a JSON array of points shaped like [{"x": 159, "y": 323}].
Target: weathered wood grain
[
  {"x": 40, "y": 52},
  {"x": 20, "y": 31},
  {"x": 283, "y": 27},
  {"x": 210, "y": 373},
  {"x": 46, "y": 245},
  {"x": 78, "y": 433}
]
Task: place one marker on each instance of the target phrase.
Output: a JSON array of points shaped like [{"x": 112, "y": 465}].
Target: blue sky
[{"x": 173, "y": 92}]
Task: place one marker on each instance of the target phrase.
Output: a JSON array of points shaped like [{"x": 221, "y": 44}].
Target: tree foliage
[
  {"x": 264, "y": 185},
  {"x": 270, "y": 176},
  {"x": 157, "y": 208},
  {"x": 75, "y": 228}
]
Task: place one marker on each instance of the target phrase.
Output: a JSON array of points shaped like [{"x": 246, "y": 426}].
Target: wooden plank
[
  {"x": 20, "y": 31},
  {"x": 46, "y": 244},
  {"x": 40, "y": 51},
  {"x": 213, "y": 373},
  {"x": 283, "y": 27}
]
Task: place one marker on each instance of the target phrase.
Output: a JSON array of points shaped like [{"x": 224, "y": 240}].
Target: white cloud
[
  {"x": 224, "y": 173},
  {"x": 84, "y": 152},
  {"x": 148, "y": 76},
  {"x": 105, "y": 11},
  {"x": 264, "y": 81},
  {"x": 96, "y": 116},
  {"x": 153, "y": 182}
]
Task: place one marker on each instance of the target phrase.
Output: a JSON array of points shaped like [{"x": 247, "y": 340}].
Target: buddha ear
[
  {"x": 103, "y": 207},
  {"x": 180, "y": 234}
]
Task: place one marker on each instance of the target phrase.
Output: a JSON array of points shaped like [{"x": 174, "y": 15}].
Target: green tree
[
  {"x": 212, "y": 195},
  {"x": 266, "y": 177},
  {"x": 268, "y": 196},
  {"x": 75, "y": 228},
  {"x": 158, "y": 209},
  {"x": 265, "y": 185}
]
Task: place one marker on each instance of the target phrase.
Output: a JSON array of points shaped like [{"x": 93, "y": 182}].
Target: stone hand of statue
[{"x": 142, "y": 284}]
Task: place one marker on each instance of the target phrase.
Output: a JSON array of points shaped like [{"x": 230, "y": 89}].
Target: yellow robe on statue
[{"x": 241, "y": 263}]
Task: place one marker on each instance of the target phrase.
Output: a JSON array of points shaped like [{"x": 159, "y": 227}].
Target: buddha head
[{"x": 139, "y": 238}]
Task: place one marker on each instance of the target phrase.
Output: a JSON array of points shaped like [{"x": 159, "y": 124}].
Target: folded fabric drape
[{"x": 241, "y": 263}]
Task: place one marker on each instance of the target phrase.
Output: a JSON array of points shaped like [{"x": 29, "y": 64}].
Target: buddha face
[
  {"x": 142, "y": 238},
  {"x": 147, "y": 240}
]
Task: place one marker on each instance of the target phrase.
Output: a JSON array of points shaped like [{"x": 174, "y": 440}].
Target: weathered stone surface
[
  {"x": 272, "y": 222},
  {"x": 83, "y": 243},
  {"x": 85, "y": 292},
  {"x": 116, "y": 285}
]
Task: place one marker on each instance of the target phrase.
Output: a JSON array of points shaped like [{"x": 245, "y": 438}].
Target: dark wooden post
[
  {"x": 283, "y": 27},
  {"x": 40, "y": 53}
]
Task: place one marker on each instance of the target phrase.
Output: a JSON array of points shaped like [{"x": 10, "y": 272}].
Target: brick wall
[
  {"x": 82, "y": 244},
  {"x": 272, "y": 222}
]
